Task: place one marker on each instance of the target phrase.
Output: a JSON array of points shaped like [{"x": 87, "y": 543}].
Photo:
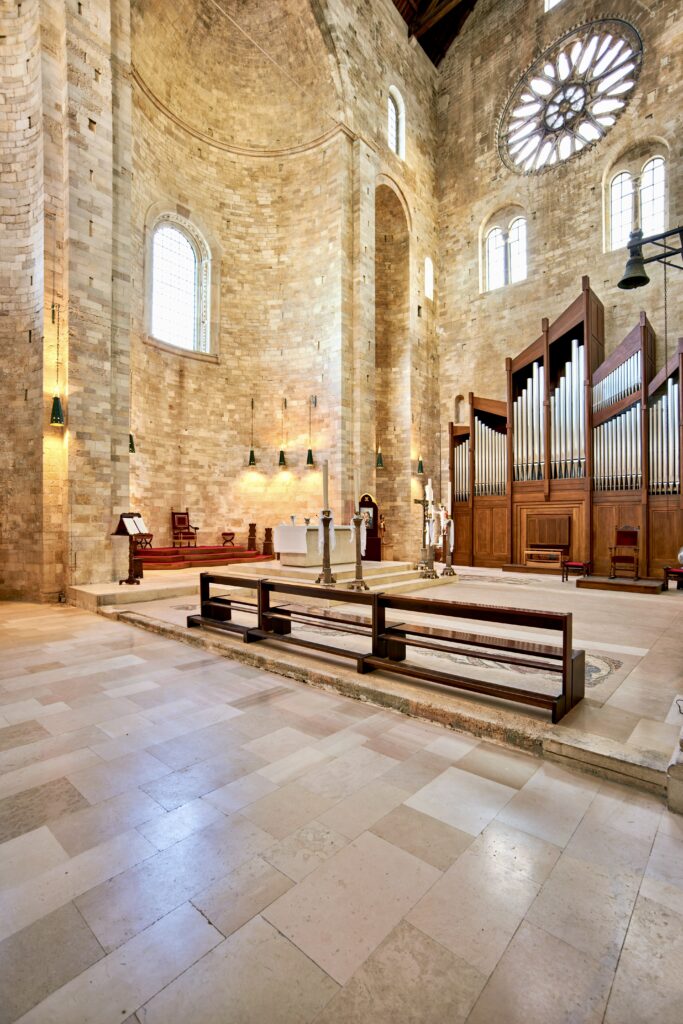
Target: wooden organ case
[{"x": 591, "y": 445}]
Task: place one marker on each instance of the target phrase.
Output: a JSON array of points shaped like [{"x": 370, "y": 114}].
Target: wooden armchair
[
  {"x": 184, "y": 534},
  {"x": 624, "y": 552}
]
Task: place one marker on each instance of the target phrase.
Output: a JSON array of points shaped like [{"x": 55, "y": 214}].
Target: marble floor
[{"x": 188, "y": 839}]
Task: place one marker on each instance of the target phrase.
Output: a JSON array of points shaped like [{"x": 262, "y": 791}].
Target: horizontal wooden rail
[{"x": 389, "y": 640}]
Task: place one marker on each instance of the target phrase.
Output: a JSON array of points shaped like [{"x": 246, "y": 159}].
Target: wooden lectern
[{"x": 132, "y": 525}]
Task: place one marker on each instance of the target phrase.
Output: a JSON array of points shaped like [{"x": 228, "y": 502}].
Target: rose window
[{"x": 571, "y": 96}]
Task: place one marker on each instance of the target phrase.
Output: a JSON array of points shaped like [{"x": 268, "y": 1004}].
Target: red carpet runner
[{"x": 187, "y": 558}]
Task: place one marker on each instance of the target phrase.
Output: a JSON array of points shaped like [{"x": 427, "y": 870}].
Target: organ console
[{"x": 583, "y": 441}]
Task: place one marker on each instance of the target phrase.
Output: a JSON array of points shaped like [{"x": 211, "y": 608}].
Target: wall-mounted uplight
[
  {"x": 312, "y": 404},
  {"x": 379, "y": 462},
  {"x": 252, "y": 456},
  {"x": 281, "y": 459}
]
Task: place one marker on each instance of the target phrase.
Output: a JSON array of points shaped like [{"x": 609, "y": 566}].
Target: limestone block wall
[
  {"x": 21, "y": 283},
  {"x": 564, "y": 205},
  {"x": 275, "y": 224}
]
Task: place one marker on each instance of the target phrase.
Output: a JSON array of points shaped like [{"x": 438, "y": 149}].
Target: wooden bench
[{"x": 389, "y": 640}]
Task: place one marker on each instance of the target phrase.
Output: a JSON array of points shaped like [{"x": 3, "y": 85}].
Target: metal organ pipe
[
  {"x": 665, "y": 455},
  {"x": 461, "y": 460},
  {"x": 490, "y": 460},
  {"x": 568, "y": 418}
]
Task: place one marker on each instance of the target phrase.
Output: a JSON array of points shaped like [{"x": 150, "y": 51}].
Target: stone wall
[
  {"x": 564, "y": 205},
  {"x": 21, "y": 283}
]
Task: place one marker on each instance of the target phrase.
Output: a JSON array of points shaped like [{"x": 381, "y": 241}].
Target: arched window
[
  {"x": 517, "y": 250},
  {"x": 495, "y": 259},
  {"x": 429, "y": 279},
  {"x": 621, "y": 209},
  {"x": 652, "y": 197},
  {"x": 648, "y": 179},
  {"x": 396, "y": 123},
  {"x": 505, "y": 250},
  {"x": 180, "y": 285}
]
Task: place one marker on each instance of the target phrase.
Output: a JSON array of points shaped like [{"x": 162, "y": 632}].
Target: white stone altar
[{"x": 298, "y": 545}]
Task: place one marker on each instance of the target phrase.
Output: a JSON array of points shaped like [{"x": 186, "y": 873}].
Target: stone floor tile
[
  {"x": 107, "y": 779},
  {"x": 465, "y": 801},
  {"x": 422, "y": 835},
  {"x": 587, "y": 906},
  {"x": 18, "y": 735},
  {"x": 42, "y": 957},
  {"x": 29, "y": 901},
  {"x": 166, "y": 829},
  {"x": 363, "y": 808},
  {"x": 518, "y": 852},
  {"x": 234, "y": 899},
  {"x": 28, "y": 855},
  {"x": 345, "y": 774},
  {"x": 648, "y": 986},
  {"x": 236, "y": 795},
  {"x": 509, "y": 767},
  {"x": 605, "y": 846},
  {"x": 128, "y": 689},
  {"x": 176, "y": 788},
  {"x": 551, "y": 804},
  {"x": 416, "y": 771},
  {"x": 278, "y": 744},
  {"x": 31, "y": 808},
  {"x": 541, "y": 980},
  {"x": 80, "y": 830},
  {"x": 286, "y": 769},
  {"x": 626, "y": 810},
  {"x": 649, "y": 735},
  {"x": 34, "y": 775},
  {"x": 191, "y": 746},
  {"x": 256, "y": 972},
  {"x": 120, "y": 908},
  {"x": 663, "y": 881},
  {"x": 408, "y": 979},
  {"x": 287, "y": 809},
  {"x": 107, "y": 992},
  {"x": 671, "y": 824},
  {"x": 304, "y": 850},
  {"x": 452, "y": 745},
  {"x": 338, "y": 914},
  {"x": 475, "y": 908}
]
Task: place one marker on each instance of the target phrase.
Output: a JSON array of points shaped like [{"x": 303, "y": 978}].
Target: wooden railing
[{"x": 387, "y": 640}]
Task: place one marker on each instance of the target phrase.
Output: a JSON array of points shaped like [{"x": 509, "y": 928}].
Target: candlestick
[{"x": 326, "y": 496}]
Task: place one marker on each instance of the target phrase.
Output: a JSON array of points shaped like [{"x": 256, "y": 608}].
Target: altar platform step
[
  {"x": 206, "y": 555},
  {"x": 621, "y": 584},
  {"x": 391, "y": 577}
]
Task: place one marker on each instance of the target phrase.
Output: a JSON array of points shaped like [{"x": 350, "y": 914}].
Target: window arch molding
[
  {"x": 503, "y": 248},
  {"x": 207, "y": 255},
  {"x": 396, "y": 136},
  {"x": 623, "y": 178}
]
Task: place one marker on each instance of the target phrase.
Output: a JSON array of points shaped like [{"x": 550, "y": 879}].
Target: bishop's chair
[
  {"x": 184, "y": 533},
  {"x": 624, "y": 552}
]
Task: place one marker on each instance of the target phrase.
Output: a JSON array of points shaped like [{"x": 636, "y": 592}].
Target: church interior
[{"x": 341, "y": 518}]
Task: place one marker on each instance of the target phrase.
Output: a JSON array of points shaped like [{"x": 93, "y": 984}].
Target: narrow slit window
[
  {"x": 392, "y": 128},
  {"x": 429, "y": 279}
]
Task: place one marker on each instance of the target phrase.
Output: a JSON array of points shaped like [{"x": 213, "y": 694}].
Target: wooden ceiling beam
[{"x": 433, "y": 14}]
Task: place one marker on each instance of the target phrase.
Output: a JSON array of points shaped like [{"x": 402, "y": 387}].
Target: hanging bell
[{"x": 634, "y": 271}]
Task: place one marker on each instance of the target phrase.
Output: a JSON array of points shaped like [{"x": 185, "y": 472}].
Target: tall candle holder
[
  {"x": 448, "y": 569},
  {"x": 426, "y": 563},
  {"x": 326, "y": 577},
  {"x": 359, "y": 583}
]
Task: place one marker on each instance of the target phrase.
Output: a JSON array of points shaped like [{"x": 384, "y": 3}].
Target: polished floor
[{"x": 188, "y": 840}]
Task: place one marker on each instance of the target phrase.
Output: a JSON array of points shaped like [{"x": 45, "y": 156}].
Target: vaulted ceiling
[{"x": 434, "y": 23}]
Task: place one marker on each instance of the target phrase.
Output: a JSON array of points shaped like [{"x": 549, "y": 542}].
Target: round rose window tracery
[{"x": 571, "y": 96}]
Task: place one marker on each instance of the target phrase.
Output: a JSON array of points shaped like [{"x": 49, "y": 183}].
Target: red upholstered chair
[
  {"x": 184, "y": 534},
  {"x": 624, "y": 552}
]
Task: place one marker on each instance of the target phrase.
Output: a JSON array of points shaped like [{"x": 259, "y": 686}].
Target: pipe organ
[
  {"x": 591, "y": 441},
  {"x": 665, "y": 441},
  {"x": 461, "y": 470},
  {"x": 568, "y": 418},
  {"x": 617, "y": 452},
  {"x": 528, "y": 437},
  {"x": 490, "y": 457}
]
